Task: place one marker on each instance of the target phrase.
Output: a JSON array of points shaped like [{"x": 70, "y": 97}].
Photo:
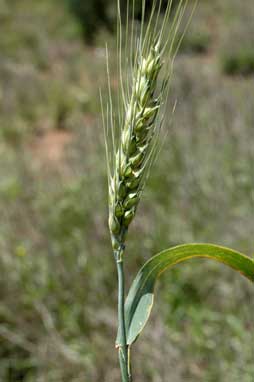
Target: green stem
[{"x": 123, "y": 348}]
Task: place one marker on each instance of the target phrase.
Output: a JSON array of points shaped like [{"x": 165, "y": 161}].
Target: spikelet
[{"x": 140, "y": 121}]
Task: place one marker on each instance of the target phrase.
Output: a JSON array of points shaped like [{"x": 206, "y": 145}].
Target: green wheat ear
[{"x": 145, "y": 60}]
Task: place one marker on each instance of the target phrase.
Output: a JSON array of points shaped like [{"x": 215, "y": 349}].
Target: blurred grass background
[{"x": 57, "y": 281}]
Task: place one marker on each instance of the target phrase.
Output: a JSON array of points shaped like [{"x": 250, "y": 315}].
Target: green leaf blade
[{"x": 139, "y": 301}]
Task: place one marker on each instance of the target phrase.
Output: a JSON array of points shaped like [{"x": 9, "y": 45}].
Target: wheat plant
[{"x": 132, "y": 127}]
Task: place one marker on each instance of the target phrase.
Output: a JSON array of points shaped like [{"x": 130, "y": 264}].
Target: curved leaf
[{"x": 139, "y": 301}]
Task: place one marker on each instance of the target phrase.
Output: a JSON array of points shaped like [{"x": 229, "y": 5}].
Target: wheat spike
[
  {"x": 136, "y": 140},
  {"x": 140, "y": 106}
]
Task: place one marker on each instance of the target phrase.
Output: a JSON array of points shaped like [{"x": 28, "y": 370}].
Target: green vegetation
[
  {"x": 91, "y": 15},
  {"x": 196, "y": 43},
  {"x": 239, "y": 63},
  {"x": 57, "y": 283}
]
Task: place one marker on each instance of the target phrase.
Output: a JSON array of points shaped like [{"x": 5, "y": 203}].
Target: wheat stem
[{"x": 123, "y": 348}]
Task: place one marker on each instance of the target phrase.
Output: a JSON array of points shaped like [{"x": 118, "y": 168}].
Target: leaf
[{"x": 139, "y": 301}]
